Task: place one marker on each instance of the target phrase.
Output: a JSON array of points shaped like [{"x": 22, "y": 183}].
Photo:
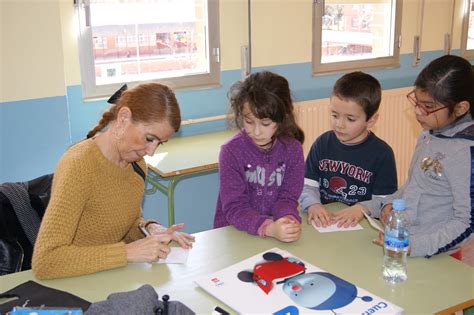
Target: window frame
[
  {"x": 466, "y": 53},
  {"x": 91, "y": 91},
  {"x": 319, "y": 68}
]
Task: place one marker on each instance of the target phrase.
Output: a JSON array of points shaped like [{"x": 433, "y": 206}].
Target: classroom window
[
  {"x": 130, "y": 41},
  {"x": 350, "y": 35},
  {"x": 467, "y": 37}
]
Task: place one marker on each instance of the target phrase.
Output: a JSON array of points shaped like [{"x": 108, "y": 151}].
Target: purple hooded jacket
[{"x": 257, "y": 184}]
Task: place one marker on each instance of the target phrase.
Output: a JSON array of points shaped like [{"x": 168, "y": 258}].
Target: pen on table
[{"x": 221, "y": 310}]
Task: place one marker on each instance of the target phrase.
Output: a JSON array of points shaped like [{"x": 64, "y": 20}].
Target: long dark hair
[
  {"x": 448, "y": 80},
  {"x": 268, "y": 96}
]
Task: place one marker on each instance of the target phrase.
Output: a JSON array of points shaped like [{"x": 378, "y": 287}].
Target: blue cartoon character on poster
[
  {"x": 314, "y": 290},
  {"x": 321, "y": 291}
]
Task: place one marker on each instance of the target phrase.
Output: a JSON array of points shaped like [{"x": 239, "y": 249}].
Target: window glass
[
  {"x": 467, "y": 38},
  {"x": 355, "y": 34},
  {"x": 125, "y": 41}
]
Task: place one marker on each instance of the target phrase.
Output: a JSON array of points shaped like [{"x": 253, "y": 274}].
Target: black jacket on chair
[{"x": 16, "y": 244}]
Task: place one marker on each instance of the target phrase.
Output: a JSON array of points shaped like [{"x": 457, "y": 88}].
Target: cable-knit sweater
[{"x": 95, "y": 208}]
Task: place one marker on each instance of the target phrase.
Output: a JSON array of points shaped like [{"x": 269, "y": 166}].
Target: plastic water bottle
[{"x": 396, "y": 244}]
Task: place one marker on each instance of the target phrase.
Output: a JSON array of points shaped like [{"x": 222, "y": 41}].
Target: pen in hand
[
  {"x": 147, "y": 233},
  {"x": 143, "y": 230},
  {"x": 151, "y": 243}
]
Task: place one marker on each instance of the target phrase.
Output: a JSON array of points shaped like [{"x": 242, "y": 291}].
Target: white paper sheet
[
  {"x": 375, "y": 224},
  {"x": 334, "y": 228},
  {"x": 177, "y": 255}
]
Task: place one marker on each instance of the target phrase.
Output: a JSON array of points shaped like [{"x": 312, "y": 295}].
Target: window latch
[{"x": 217, "y": 54}]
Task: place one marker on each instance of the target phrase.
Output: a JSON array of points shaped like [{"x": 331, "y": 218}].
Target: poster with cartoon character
[{"x": 277, "y": 282}]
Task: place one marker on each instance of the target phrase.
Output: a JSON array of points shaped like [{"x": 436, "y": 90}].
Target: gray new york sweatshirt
[{"x": 439, "y": 191}]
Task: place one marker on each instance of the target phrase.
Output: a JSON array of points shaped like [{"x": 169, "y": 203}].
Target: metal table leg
[{"x": 155, "y": 180}]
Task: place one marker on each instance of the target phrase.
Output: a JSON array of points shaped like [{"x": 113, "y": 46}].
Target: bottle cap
[{"x": 398, "y": 204}]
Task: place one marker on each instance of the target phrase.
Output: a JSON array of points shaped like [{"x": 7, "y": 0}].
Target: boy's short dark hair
[{"x": 361, "y": 88}]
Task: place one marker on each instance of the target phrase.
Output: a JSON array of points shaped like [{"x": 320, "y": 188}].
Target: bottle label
[{"x": 394, "y": 243}]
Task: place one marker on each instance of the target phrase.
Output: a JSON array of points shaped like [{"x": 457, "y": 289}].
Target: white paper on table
[
  {"x": 334, "y": 228},
  {"x": 374, "y": 223},
  {"x": 177, "y": 255}
]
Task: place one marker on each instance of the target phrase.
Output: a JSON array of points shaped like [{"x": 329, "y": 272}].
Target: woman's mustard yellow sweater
[{"x": 95, "y": 208}]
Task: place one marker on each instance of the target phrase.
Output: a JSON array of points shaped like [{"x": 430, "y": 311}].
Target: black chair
[{"x": 20, "y": 219}]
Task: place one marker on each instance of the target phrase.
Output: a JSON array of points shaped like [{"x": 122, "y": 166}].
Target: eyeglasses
[{"x": 426, "y": 108}]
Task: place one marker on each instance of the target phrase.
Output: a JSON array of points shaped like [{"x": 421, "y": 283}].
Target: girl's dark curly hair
[{"x": 268, "y": 96}]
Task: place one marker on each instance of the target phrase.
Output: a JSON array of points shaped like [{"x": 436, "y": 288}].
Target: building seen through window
[
  {"x": 353, "y": 31},
  {"x": 125, "y": 41},
  {"x": 347, "y": 33}
]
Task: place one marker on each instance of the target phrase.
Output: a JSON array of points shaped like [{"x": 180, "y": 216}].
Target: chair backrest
[
  {"x": 22, "y": 206},
  {"x": 40, "y": 190}
]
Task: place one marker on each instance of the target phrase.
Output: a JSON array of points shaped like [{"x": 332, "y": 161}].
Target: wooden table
[
  {"x": 183, "y": 157},
  {"x": 433, "y": 284}
]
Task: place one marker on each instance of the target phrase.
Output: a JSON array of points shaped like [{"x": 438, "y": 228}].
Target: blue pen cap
[{"x": 399, "y": 204}]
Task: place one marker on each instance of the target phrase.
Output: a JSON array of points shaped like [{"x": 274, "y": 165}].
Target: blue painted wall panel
[
  {"x": 194, "y": 104},
  {"x": 213, "y": 101},
  {"x": 195, "y": 201},
  {"x": 35, "y": 133},
  {"x": 305, "y": 86},
  {"x": 83, "y": 115}
]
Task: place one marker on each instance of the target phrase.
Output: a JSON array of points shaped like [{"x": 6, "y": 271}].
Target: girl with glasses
[{"x": 439, "y": 191}]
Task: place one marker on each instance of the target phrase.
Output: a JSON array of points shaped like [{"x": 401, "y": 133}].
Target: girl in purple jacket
[{"x": 261, "y": 168}]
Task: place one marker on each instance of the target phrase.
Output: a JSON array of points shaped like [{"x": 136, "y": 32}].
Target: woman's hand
[
  {"x": 183, "y": 239},
  {"x": 349, "y": 216},
  {"x": 319, "y": 215},
  {"x": 148, "y": 249},
  {"x": 284, "y": 229}
]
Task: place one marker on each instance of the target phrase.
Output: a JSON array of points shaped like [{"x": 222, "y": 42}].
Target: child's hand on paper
[
  {"x": 319, "y": 215},
  {"x": 148, "y": 249},
  {"x": 284, "y": 229},
  {"x": 349, "y": 216}
]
